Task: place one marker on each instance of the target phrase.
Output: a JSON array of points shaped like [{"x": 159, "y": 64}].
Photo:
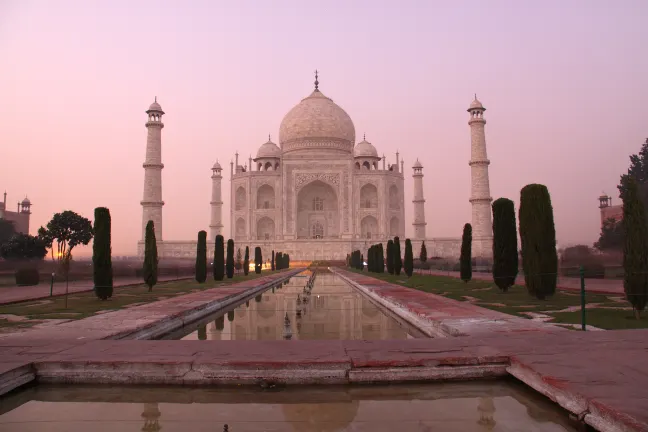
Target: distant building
[
  {"x": 19, "y": 218},
  {"x": 609, "y": 211}
]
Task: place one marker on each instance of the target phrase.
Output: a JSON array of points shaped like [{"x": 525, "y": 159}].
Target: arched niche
[
  {"x": 265, "y": 197},
  {"x": 369, "y": 227},
  {"x": 265, "y": 229},
  {"x": 369, "y": 196},
  {"x": 394, "y": 227},
  {"x": 394, "y": 198},
  {"x": 240, "y": 198},
  {"x": 317, "y": 202},
  {"x": 239, "y": 229}
]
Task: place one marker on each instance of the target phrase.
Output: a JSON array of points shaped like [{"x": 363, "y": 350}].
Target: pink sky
[{"x": 564, "y": 83}]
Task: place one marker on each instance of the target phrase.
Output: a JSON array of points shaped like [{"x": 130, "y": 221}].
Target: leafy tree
[
  {"x": 398, "y": 260},
  {"x": 612, "y": 235},
  {"x": 150, "y": 267},
  {"x": 229, "y": 264},
  {"x": 23, "y": 247},
  {"x": 409, "y": 258},
  {"x": 7, "y": 230},
  {"x": 538, "y": 238},
  {"x": 635, "y": 250},
  {"x": 238, "y": 262},
  {"x": 423, "y": 255},
  {"x": 246, "y": 261},
  {"x": 639, "y": 172},
  {"x": 258, "y": 260},
  {"x": 101, "y": 254},
  {"x": 465, "y": 259},
  {"x": 201, "y": 257},
  {"x": 390, "y": 257},
  {"x": 505, "y": 249},
  {"x": 272, "y": 261},
  {"x": 68, "y": 230},
  {"x": 219, "y": 258}
]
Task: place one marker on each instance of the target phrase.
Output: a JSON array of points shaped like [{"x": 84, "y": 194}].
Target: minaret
[
  {"x": 216, "y": 224},
  {"x": 152, "y": 201},
  {"x": 419, "y": 202},
  {"x": 480, "y": 197}
]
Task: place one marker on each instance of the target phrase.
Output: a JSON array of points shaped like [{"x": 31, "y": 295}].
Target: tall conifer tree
[
  {"x": 150, "y": 267},
  {"x": 219, "y": 258},
  {"x": 505, "y": 250},
  {"x": 101, "y": 254},
  {"x": 635, "y": 251},
  {"x": 201, "y": 257},
  {"x": 465, "y": 260}
]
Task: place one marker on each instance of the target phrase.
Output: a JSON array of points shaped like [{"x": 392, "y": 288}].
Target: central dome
[{"x": 315, "y": 123}]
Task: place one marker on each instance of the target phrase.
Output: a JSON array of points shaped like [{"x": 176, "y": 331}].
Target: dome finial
[
  {"x": 155, "y": 98},
  {"x": 364, "y": 136},
  {"x": 316, "y": 82},
  {"x": 269, "y": 138},
  {"x": 475, "y": 96}
]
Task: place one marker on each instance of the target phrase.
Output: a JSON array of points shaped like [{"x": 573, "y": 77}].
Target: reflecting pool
[
  {"x": 331, "y": 309},
  {"x": 461, "y": 407}
]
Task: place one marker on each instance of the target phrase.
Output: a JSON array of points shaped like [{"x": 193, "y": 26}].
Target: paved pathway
[
  {"x": 607, "y": 388},
  {"x": 603, "y": 286},
  {"x": 158, "y": 317},
  {"x": 16, "y": 294},
  {"x": 446, "y": 316}
]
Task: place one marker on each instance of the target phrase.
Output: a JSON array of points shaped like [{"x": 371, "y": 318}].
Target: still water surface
[
  {"x": 331, "y": 310},
  {"x": 460, "y": 407}
]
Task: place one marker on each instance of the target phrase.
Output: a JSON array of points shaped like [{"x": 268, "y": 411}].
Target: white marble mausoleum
[{"x": 317, "y": 194}]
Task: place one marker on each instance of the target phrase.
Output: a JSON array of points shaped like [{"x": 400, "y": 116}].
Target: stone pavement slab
[
  {"x": 599, "y": 286},
  {"x": 440, "y": 316},
  {"x": 17, "y": 294},
  {"x": 598, "y": 376}
]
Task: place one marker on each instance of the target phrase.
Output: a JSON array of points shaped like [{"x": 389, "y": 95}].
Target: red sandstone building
[
  {"x": 19, "y": 218},
  {"x": 609, "y": 211}
]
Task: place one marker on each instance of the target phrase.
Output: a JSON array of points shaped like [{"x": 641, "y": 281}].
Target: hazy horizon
[{"x": 564, "y": 84}]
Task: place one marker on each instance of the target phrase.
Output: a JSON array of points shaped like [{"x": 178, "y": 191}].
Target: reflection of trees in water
[
  {"x": 258, "y": 298},
  {"x": 486, "y": 410},
  {"x": 230, "y": 316},
  {"x": 151, "y": 416},
  {"x": 202, "y": 332},
  {"x": 220, "y": 323},
  {"x": 322, "y": 417}
]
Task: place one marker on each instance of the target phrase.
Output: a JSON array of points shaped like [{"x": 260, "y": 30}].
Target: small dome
[
  {"x": 268, "y": 150},
  {"x": 476, "y": 105},
  {"x": 365, "y": 149},
  {"x": 155, "y": 106},
  {"x": 217, "y": 166},
  {"x": 417, "y": 164},
  {"x": 26, "y": 202},
  {"x": 317, "y": 118}
]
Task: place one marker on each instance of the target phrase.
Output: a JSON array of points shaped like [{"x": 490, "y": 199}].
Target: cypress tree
[
  {"x": 246, "y": 261},
  {"x": 465, "y": 260},
  {"x": 538, "y": 238},
  {"x": 258, "y": 259},
  {"x": 423, "y": 254},
  {"x": 505, "y": 250},
  {"x": 150, "y": 267},
  {"x": 398, "y": 260},
  {"x": 278, "y": 258},
  {"x": 287, "y": 261},
  {"x": 229, "y": 264},
  {"x": 238, "y": 262},
  {"x": 101, "y": 254},
  {"x": 370, "y": 259},
  {"x": 201, "y": 257},
  {"x": 219, "y": 258},
  {"x": 635, "y": 249},
  {"x": 272, "y": 261},
  {"x": 390, "y": 257},
  {"x": 348, "y": 260},
  {"x": 381, "y": 258},
  {"x": 409, "y": 258}
]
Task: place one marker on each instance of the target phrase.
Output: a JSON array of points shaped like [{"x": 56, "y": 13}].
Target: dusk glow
[{"x": 564, "y": 84}]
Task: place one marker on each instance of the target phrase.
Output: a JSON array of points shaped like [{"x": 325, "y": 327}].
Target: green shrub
[{"x": 27, "y": 277}]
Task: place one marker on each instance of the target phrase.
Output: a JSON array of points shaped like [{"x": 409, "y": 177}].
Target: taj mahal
[{"x": 317, "y": 195}]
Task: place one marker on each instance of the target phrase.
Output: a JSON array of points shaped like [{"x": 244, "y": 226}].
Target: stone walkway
[
  {"x": 601, "y": 286},
  {"x": 449, "y": 317},
  {"x": 151, "y": 319},
  {"x": 17, "y": 294}
]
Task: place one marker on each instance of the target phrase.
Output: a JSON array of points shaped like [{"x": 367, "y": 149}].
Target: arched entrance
[{"x": 318, "y": 215}]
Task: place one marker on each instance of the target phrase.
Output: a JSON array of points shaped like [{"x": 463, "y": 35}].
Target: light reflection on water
[
  {"x": 331, "y": 310},
  {"x": 464, "y": 407}
]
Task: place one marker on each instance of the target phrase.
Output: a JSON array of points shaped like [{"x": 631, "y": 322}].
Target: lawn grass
[
  {"x": 517, "y": 300},
  {"x": 85, "y": 304},
  {"x": 604, "y": 318}
]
